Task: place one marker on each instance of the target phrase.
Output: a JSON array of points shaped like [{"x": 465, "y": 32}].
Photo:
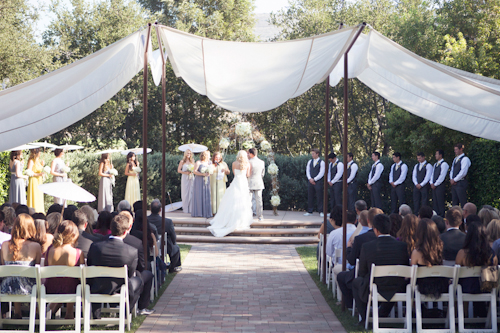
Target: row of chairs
[{"x": 82, "y": 297}]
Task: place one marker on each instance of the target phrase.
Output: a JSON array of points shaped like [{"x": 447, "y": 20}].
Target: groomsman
[
  {"x": 422, "y": 173},
  {"x": 335, "y": 172},
  {"x": 439, "y": 172},
  {"x": 315, "y": 170},
  {"x": 397, "y": 178},
  {"x": 458, "y": 174},
  {"x": 352, "y": 182},
  {"x": 374, "y": 183}
]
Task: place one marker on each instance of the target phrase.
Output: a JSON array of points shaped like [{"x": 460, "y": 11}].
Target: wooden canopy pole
[{"x": 145, "y": 148}]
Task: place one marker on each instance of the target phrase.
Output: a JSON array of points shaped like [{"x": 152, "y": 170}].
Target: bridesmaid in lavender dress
[
  {"x": 202, "y": 205},
  {"x": 186, "y": 181},
  {"x": 17, "y": 192}
]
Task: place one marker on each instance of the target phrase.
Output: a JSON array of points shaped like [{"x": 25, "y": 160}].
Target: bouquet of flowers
[
  {"x": 113, "y": 172},
  {"x": 207, "y": 169},
  {"x": 136, "y": 169},
  {"x": 275, "y": 200},
  {"x": 66, "y": 169},
  {"x": 30, "y": 173},
  {"x": 264, "y": 145},
  {"x": 272, "y": 169},
  {"x": 46, "y": 169},
  {"x": 248, "y": 144},
  {"x": 190, "y": 168},
  {"x": 224, "y": 143},
  {"x": 243, "y": 129}
]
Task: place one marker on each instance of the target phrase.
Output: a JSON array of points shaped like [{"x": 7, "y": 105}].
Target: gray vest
[
  {"x": 457, "y": 166},
  {"x": 372, "y": 171},
  {"x": 334, "y": 168},
  {"x": 421, "y": 173},
  {"x": 396, "y": 173},
  {"x": 314, "y": 170},
  {"x": 437, "y": 171},
  {"x": 349, "y": 172}
]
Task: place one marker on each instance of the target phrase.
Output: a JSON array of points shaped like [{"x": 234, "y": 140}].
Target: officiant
[{"x": 218, "y": 180}]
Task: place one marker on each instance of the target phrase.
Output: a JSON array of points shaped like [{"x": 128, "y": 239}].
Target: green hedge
[{"x": 484, "y": 173}]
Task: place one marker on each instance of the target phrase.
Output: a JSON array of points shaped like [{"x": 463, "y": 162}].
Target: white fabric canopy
[
  {"x": 253, "y": 77},
  {"x": 54, "y": 101}
]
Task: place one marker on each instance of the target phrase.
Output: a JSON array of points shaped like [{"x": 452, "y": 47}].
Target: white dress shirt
[
  {"x": 354, "y": 171},
  {"x": 402, "y": 176},
  {"x": 338, "y": 175},
  {"x": 465, "y": 164},
  {"x": 321, "y": 169},
  {"x": 442, "y": 175},
  {"x": 335, "y": 239},
  {"x": 379, "y": 168},
  {"x": 428, "y": 173}
]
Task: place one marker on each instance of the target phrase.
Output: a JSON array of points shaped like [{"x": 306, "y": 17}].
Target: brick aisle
[{"x": 242, "y": 288}]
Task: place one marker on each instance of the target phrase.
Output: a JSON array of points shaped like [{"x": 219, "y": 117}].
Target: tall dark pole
[
  {"x": 344, "y": 152},
  {"x": 164, "y": 141},
  {"x": 325, "y": 176},
  {"x": 145, "y": 148}
]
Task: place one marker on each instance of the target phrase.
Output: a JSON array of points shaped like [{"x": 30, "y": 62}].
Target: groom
[{"x": 255, "y": 182}]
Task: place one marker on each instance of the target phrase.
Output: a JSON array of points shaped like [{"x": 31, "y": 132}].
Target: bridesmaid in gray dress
[
  {"x": 56, "y": 170},
  {"x": 105, "y": 201},
  {"x": 17, "y": 192},
  {"x": 186, "y": 181},
  {"x": 202, "y": 205}
]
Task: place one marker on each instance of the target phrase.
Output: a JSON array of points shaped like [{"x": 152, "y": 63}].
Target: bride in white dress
[{"x": 235, "y": 210}]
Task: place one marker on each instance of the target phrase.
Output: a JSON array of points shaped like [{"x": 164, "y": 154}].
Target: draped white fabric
[
  {"x": 253, "y": 77},
  {"x": 450, "y": 97},
  {"x": 54, "y": 101}
]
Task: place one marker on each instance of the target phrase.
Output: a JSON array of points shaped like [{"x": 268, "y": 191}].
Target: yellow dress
[
  {"x": 132, "y": 190},
  {"x": 217, "y": 187},
  {"x": 35, "y": 196}
]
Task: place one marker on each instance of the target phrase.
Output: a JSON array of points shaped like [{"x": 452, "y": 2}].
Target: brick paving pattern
[{"x": 242, "y": 288}]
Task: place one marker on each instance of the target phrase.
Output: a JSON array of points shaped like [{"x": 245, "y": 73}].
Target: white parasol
[
  {"x": 194, "y": 147},
  {"x": 67, "y": 191},
  {"x": 137, "y": 151},
  {"x": 23, "y": 147},
  {"x": 68, "y": 147},
  {"x": 109, "y": 151},
  {"x": 43, "y": 144},
  {"x": 173, "y": 207}
]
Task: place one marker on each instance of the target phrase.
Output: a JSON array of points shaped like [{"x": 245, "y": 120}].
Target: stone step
[
  {"x": 255, "y": 224},
  {"x": 246, "y": 240},
  {"x": 278, "y": 232}
]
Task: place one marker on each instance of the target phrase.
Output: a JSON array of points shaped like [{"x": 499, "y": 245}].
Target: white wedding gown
[{"x": 235, "y": 209}]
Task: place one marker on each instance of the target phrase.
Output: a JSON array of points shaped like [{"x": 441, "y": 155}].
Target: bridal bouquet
[
  {"x": 30, "y": 173},
  {"x": 224, "y": 143},
  {"x": 190, "y": 168},
  {"x": 243, "y": 129},
  {"x": 46, "y": 169},
  {"x": 248, "y": 144},
  {"x": 264, "y": 145},
  {"x": 66, "y": 169},
  {"x": 113, "y": 172},
  {"x": 136, "y": 169},
  {"x": 272, "y": 169},
  {"x": 207, "y": 169},
  {"x": 275, "y": 200}
]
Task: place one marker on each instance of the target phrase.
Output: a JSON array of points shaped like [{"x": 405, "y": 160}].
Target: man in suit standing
[
  {"x": 85, "y": 239},
  {"x": 385, "y": 250},
  {"x": 173, "y": 249},
  {"x": 315, "y": 170},
  {"x": 453, "y": 239},
  {"x": 458, "y": 174},
  {"x": 397, "y": 178},
  {"x": 256, "y": 182},
  {"x": 335, "y": 172},
  {"x": 438, "y": 176},
  {"x": 113, "y": 252},
  {"x": 374, "y": 183},
  {"x": 421, "y": 176},
  {"x": 352, "y": 182}
]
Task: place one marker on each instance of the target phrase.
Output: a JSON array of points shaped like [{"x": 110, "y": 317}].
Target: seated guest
[
  {"x": 173, "y": 249},
  {"x": 68, "y": 212},
  {"x": 476, "y": 251},
  {"x": 41, "y": 236},
  {"x": 39, "y": 216},
  {"x": 384, "y": 250},
  {"x": 335, "y": 238},
  {"x": 19, "y": 250},
  {"x": 488, "y": 213},
  {"x": 137, "y": 206},
  {"x": 103, "y": 226},
  {"x": 361, "y": 228},
  {"x": 439, "y": 223},
  {"x": 407, "y": 232},
  {"x": 137, "y": 229},
  {"x": 63, "y": 253},
  {"x": 4, "y": 236},
  {"x": 469, "y": 209},
  {"x": 335, "y": 217},
  {"x": 113, "y": 252},
  {"x": 91, "y": 218},
  {"x": 84, "y": 238},
  {"x": 493, "y": 231},
  {"x": 124, "y": 205},
  {"x": 453, "y": 238},
  {"x": 55, "y": 208},
  {"x": 396, "y": 221},
  {"x": 10, "y": 218},
  {"x": 22, "y": 209},
  {"x": 425, "y": 212},
  {"x": 404, "y": 210},
  {"x": 32, "y": 211},
  {"x": 53, "y": 220},
  {"x": 143, "y": 269},
  {"x": 429, "y": 252}
]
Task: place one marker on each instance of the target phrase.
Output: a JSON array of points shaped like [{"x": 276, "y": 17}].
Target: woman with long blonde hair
[
  {"x": 35, "y": 196},
  {"x": 235, "y": 210},
  {"x": 133, "y": 188},
  {"x": 186, "y": 168},
  {"x": 218, "y": 180},
  {"x": 202, "y": 205}
]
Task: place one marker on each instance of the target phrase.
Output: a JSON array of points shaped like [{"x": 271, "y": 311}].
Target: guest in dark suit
[
  {"x": 385, "y": 250},
  {"x": 344, "y": 279},
  {"x": 173, "y": 249},
  {"x": 84, "y": 239},
  {"x": 115, "y": 253},
  {"x": 453, "y": 239}
]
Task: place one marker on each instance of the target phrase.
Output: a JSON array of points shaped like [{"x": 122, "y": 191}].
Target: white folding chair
[
  {"x": 121, "y": 298},
  {"x": 47, "y": 272},
  {"x": 374, "y": 297},
  {"x": 491, "y": 320},
  {"x": 154, "y": 289},
  {"x": 442, "y": 272},
  {"x": 320, "y": 256},
  {"x": 335, "y": 268},
  {"x": 330, "y": 261},
  {"x": 356, "y": 268},
  {"x": 20, "y": 272}
]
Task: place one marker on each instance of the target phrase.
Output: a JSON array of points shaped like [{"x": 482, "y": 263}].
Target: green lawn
[{"x": 308, "y": 256}]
